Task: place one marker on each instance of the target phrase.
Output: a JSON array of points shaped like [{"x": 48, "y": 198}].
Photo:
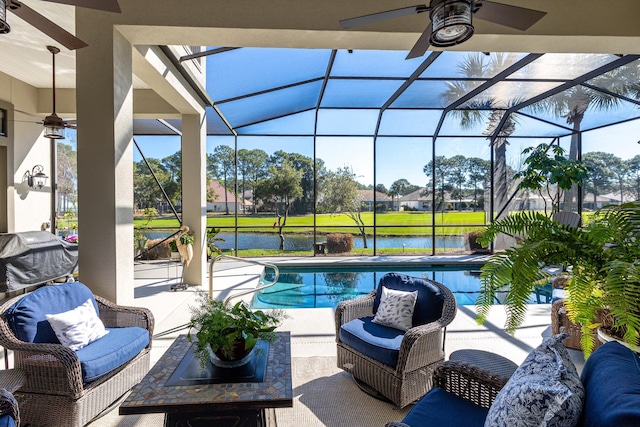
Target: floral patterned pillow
[
  {"x": 544, "y": 391},
  {"x": 396, "y": 309}
]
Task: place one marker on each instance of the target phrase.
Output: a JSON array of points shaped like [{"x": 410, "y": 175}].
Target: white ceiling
[
  {"x": 24, "y": 50},
  {"x": 24, "y": 53},
  {"x": 570, "y": 26}
]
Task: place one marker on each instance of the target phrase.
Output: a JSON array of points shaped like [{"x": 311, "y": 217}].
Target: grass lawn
[{"x": 392, "y": 223}]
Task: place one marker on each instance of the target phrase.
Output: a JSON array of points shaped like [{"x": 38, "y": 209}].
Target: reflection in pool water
[{"x": 328, "y": 286}]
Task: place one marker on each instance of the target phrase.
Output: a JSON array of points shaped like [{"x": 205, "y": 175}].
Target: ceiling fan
[
  {"x": 53, "y": 125},
  {"x": 48, "y": 27},
  {"x": 450, "y": 20}
]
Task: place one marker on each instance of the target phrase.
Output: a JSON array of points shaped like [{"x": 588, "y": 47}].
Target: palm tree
[
  {"x": 573, "y": 103},
  {"x": 488, "y": 111}
]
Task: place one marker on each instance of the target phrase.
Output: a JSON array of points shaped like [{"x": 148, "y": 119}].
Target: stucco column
[
  {"x": 105, "y": 161},
  {"x": 194, "y": 190}
]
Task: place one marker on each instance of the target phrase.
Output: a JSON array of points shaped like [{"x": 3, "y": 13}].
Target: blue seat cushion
[
  {"x": 430, "y": 300},
  {"x": 111, "y": 351},
  {"x": 7, "y": 421},
  {"x": 378, "y": 342},
  {"x": 611, "y": 378},
  {"x": 443, "y": 409},
  {"x": 27, "y": 317}
]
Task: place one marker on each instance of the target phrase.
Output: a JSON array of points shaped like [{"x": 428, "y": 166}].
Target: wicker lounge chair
[
  {"x": 570, "y": 219},
  {"x": 401, "y": 373},
  {"x": 57, "y": 391}
]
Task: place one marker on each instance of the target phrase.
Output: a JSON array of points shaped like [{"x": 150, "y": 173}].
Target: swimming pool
[{"x": 324, "y": 286}]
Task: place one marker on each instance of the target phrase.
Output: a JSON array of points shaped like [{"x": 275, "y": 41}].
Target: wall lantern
[
  {"x": 36, "y": 178},
  {"x": 451, "y": 21}
]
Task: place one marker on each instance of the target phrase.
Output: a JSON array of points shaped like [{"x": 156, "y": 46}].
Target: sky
[
  {"x": 395, "y": 158},
  {"x": 401, "y": 158}
]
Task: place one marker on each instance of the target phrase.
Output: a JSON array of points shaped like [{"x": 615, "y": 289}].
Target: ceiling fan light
[
  {"x": 451, "y": 22},
  {"x": 53, "y": 127},
  {"x": 4, "y": 25}
]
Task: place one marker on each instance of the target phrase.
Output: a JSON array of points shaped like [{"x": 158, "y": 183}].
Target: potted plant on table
[
  {"x": 230, "y": 332},
  {"x": 604, "y": 261}
]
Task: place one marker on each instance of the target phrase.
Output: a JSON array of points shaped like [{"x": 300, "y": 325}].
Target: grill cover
[{"x": 34, "y": 257}]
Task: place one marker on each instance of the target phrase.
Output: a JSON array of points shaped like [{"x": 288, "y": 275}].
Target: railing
[{"x": 249, "y": 291}]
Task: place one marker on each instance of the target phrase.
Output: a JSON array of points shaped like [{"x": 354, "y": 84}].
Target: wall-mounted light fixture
[
  {"x": 3, "y": 121},
  {"x": 36, "y": 178}
]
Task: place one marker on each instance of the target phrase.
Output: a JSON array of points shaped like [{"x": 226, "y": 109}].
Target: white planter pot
[{"x": 605, "y": 337}]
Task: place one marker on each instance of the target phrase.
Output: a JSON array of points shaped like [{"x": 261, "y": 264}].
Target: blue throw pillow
[
  {"x": 28, "y": 316},
  {"x": 544, "y": 391}
]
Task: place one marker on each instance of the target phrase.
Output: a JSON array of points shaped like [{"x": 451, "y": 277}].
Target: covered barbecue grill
[{"x": 34, "y": 257}]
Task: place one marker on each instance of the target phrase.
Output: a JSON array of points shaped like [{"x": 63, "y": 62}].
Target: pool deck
[{"x": 313, "y": 329}]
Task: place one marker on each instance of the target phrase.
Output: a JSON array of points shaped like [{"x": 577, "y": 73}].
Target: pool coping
[{"x": 473, "y": 260}]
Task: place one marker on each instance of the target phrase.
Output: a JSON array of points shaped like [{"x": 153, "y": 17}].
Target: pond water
[{"x": 294, "y": 242}]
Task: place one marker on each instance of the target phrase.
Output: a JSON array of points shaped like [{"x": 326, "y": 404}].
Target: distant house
[
  {"x": 381, "y": 199},
  {"x": 218, "y": 204},
  {"x": 601, "y": 200},
  {"x": 415, "y": 201},
  {"x": 533, "y": 201}
]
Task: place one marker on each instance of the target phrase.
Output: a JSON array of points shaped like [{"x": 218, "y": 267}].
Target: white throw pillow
[
  {"x": 396, "y": 309},
  {"x": 78, "y": 327}
]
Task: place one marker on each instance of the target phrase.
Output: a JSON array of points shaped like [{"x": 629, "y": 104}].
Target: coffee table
[{"x": 227, "y": 400}]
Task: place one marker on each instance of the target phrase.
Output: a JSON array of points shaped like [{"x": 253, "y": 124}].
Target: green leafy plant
[
  {"x": 212, "y": 238},
  {"x": 187, "y": 239},
  {"x": 140, "y": 239},
  {"x": 550, "y": 173},
  {"x": 220, "y": 326},
  {"x": 604, "y": 261}
]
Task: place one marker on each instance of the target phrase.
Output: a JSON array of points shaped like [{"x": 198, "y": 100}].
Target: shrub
[
  {"x": 161, "y": 251},
  {"x": 338, "y": 243},
  {"x": 472, "y": 240}
]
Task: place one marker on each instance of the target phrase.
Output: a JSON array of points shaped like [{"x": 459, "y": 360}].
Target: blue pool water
[{"x": 302, "y": 287}]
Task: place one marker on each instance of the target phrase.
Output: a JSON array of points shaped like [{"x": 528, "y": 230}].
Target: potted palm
[
  {"x": 227, "y": 334},
  {"x": 604, "y": 278}
]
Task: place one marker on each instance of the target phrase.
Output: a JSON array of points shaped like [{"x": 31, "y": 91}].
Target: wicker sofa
[
  {"x": 463, "y": 394},
  {"x": 395, "y": 364},
  {"x": 66, "y": 387}
]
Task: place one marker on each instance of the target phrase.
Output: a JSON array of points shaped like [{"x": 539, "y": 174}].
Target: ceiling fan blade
[
  {"x": 71, "y": 122},
  {"x": 382, "y": 16},
  {"x": 26, "y": 121},
  {"x": 510, "y": 16},
  {"x": 48, "y": 27},
  {"x": 422, "y": 45},
  {"x": 106, "y": 5},
  {"x": 28, "y": 114}
]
